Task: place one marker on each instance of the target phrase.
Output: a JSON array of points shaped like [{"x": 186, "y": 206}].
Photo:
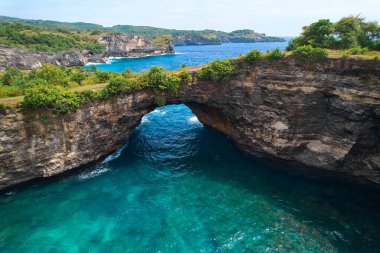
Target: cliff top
[{"x": 192, "y": 36}]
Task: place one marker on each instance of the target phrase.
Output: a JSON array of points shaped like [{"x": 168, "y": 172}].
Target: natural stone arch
[{"x": 320, "y": 115}]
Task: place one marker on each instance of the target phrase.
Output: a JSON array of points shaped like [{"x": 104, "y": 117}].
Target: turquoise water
[
  {"x": 189, "y": 55},
  {"x": 177, "y": 186}
]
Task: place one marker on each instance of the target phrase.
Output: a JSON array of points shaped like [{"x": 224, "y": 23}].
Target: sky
[{"x": 273, "y": 17}]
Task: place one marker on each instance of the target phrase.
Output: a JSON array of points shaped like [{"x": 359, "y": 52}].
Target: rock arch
[{"x": 321, "y": 115}]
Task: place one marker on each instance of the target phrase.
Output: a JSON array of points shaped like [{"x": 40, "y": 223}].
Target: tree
[
  {"x": 348, "y": 31},
  {"x": 319, "y": 34}
]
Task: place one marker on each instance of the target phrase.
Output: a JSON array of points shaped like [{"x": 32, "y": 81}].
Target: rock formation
[
  {"x": 323, "y": 116},
  {"x": 122, "y": 45},
  {"x": 116, "y": 45}
]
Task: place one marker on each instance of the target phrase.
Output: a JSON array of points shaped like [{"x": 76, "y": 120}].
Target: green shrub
[
  {"x": 253, "y": 56},
  {"x": 10, "y": 91},
  {"x": 276, "y": 54},
  {"x": 103, "y": 76},
  {"x": 185, "y": 77},
  {"x": 58, "y": 99},
  {"x": 357, "y": 50},
  {"x": 116, "y": 86},
  {"x": 173, "y": 83},
  {"x": 160, "y": 80},
  {"x": 78, "y": 77},
  {"x": 156, "y": 79},
  {"x": 10, "y": 75},
  {"x": 309, "y": 53},
  {"x": 51, "y": 74},
  {"x": 219, "y": 71}
]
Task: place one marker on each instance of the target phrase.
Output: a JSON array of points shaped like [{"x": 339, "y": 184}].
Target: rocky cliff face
[
  {"x": 25, "y": 59},
  {"x": 325, "y": 117},
  {"x": 322, "y": 116},
  {"x": 121, "y": 45},
  {"x": 116, "y": 45},
  {"x": 182, "y": 40}
]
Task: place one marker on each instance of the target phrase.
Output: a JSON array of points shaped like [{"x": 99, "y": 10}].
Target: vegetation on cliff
[
  {"x": 218, "y": 71},
  {"x": 181, "y": 37},
  {"x": 49, "y": 87},
  {"x": 14, "y": 82},
  {"x": 309, "y": 53},
  {"x": 349, "y": 33},
  {"x": 40, "y": 39}
]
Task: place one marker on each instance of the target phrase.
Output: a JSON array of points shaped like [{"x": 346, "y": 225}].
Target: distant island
[{"x": 180, "y": 37}]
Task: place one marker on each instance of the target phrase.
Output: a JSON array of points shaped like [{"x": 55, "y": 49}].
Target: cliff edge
[{"x": 323, "y": 116}]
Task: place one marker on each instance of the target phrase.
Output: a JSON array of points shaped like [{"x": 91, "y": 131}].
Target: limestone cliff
[
  {"x": 323, "y": 116},
  {"x": 116, "y": 45},
  {"x": 121, "y": 45}
]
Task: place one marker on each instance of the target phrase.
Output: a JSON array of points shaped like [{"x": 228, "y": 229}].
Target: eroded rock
[{"x": 324, "y": 116}]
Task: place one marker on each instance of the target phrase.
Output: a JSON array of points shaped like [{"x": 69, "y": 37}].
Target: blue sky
[{"x": 273, "y": 17}]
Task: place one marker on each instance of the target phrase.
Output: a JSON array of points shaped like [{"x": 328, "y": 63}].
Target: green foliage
[
  {"x": 218, "y": 71},
  {"x": 156, "y": 79},
  {"x": 357, "y": 50},
  {"x": 47, "y": 87},
  {"x": 14, "y": 82},
  {"x": 103, "y": 76},
  {"x": 276, "y": 54},
  {"x": 185, "y": 77},
  {"x": 78, "y": 26},
  {"x": 160, "y": 80},
  {"x": 58, "y": 99},
  {"x": 309, "y": 53},
  {"x": 204, "y": 36},
  {"x": 348, "y": 32},
  {"x": 10, "y": 91},
  {"x": 319, "y": 34},
  {"x": 116, "y": 86},
  {"x": 162, "y": 40},
  {"x": 78, "y": 77},
  {"x": 39, "y": 39},
  {"x": 51, "y": 74},
  {"x": 253, "y": 56},
  {"x": 10, "y": 75}
]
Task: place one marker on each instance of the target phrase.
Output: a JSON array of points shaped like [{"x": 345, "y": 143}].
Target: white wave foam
[
  {"x": 110, "y": 60},
  {"x": 93, "y": 173},
  {"x": 159, "y": 111},
  {"x": 193, "y": 119},
  {"x": 113, "y": 156}
]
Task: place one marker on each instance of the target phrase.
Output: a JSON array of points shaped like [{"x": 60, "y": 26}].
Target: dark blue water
[
  {"x": 188, "y": 55},
  {"x": 177, "y": 186}
]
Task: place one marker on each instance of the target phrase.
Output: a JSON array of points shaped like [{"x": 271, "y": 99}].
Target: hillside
[
  {"x": 48, "y": 40},
  {"x": 181, "y": 37}
]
